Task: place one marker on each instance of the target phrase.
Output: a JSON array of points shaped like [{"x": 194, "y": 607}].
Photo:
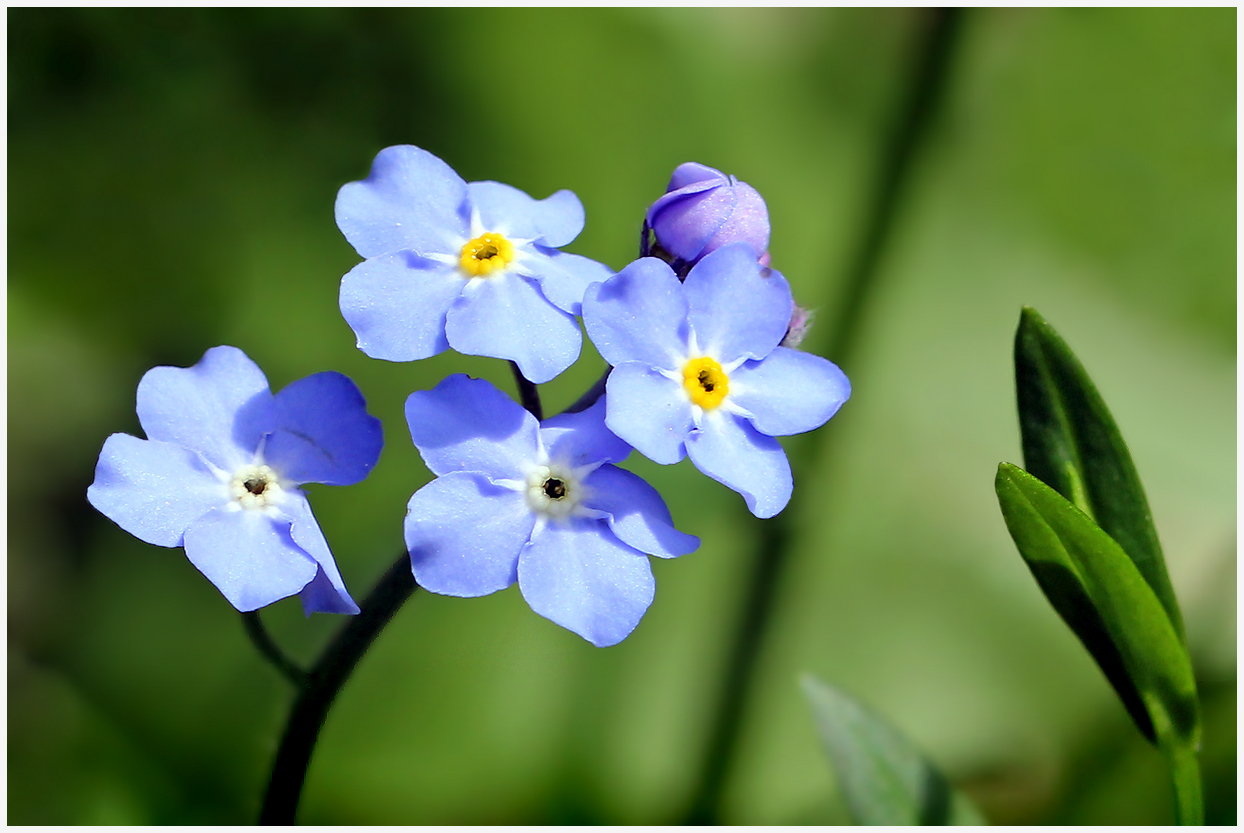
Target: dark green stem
[
  {"x": 259, "y": 635},
  {"x": 324, "y": 681},
  {"x": 925, "y": 89},
  {"x": 588, "y": 399},
  {"x": 528, "y": 395}
]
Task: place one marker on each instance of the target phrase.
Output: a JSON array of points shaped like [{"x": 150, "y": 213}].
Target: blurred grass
[{"x": 171, "y": 183}]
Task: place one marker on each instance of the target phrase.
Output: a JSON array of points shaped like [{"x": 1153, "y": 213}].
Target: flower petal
[
  {"x": 396, "y": 305},
  {"x": 648, "y": 410},
  {"x": 729, "y": 450},
  {"x": 639, "y": 315},
  {"x": 153, "y": 490},
  {"x": 466, "y": 424},
  {"x": 507, "y": 317},
  {"x": 563, "y": 278},
  {"x": 324, "y": 433},
  {"x": 580, "y": 575},
  {"x": 738, "y": 308},
  {"x": 637, "y": 514},
  {"x": 464, "y": 535},
  {"x": 789, "y": 392},
  {"x": 581, "y": 438},
  {"x": 327, "y": 592},
  {"x": 220, "y": 407},
  {"x": 410, "y": 200},
  {"x": 249, "y": 556},
  {"x": 554, "y": 221}
]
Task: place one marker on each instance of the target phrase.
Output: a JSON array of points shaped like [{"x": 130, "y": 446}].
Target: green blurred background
[{"x": 171, "y": 186}]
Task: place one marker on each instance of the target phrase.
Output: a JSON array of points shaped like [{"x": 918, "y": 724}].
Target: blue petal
[
  {"x": 789, "y": 392},
  {"x": 554, "y": 221},
  {"x": 249, "y": 556},
  {"x": 506, "y": 317},
  {"x": 694, "y": 173},
  {"x": 220, "y": 407},
  {"x": 411, "y": 200},
  {"x": 639, "y": 315},
  {"x": 327, "y": 592},
  {"x": 637, "y": 514},
  {"x": 729, "y": 450},
  {"x": 581, "y": 439},
  {"x": 324, "y": 433},
  {"x": 466, "y": 424},
  {"x": 649, "y": 411},
  {"x": 579, "y": 575},
  {"x": 739, "y": 309},
  {"x": 464, "y": 535},
  {"x": 153, "y": 490},
  {"x": 563, "y": 278},
  {"x": 396, "y": 305}
]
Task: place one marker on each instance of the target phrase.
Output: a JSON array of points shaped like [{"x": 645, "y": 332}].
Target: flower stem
[
  {"x": 263, "y": 642},
  {"x": 588, "y": 399},
  {"x": 528, "y": 395},
  {"x": 927, "y": 83},
  {"x": 323, "y": 682}
]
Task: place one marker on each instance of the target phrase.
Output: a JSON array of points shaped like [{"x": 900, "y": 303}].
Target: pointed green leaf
[
  {"x": 1071, "y": 443},
  {"x": 1106, "y": 601},
  {"x": 884, "y": 778}
]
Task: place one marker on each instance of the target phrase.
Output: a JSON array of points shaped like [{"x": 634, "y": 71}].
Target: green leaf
[
  {"x": 1071, "y": 443},
  {"x": 1103, "y": 597},
  {"x": 883, "y": 776}
]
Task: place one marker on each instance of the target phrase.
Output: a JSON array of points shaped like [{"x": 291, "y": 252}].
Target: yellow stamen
[
  {"x": 486, "y": 254},
  {"x": 706, "y": 382}
]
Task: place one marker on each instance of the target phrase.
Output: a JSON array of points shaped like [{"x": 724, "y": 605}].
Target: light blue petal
[
  {"x": 582, "y": 438},
  {"x": 249, "y": 556},
  {"x": 789, "y": 392},
  {"x": 637, "y": 514},
  {"x": 580, "y": 575},
  {"x": 464, "y": 535},
  {"x": 738, "y": 308},
  {"x": 639, "y": 315},
  {"x": 411, "y": 200},
  {"x": 466, "y": 424},
  {"x": 153, "y": 490},
  {"x": 506, "y": 317},
  {"x": 220, "y": 407},
  {"x": 396, "y": 305},
  {"x": 324, "y": 433},
  {"x": 729, "y": 450},
  {"x": 650, "y": 411},
  {"x": 563, "y": 278},
  {"x": 554, "y": 221},
  {"x": 327, "y": 592}
]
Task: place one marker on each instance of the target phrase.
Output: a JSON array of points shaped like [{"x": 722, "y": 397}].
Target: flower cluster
[{"x": 699, "y": 333}]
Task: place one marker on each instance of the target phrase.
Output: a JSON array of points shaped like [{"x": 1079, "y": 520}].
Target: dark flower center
[
  {"x": 554, "y": 488},
  {"x": 256, "y": 485},
  {"x": 706, "y": 381}
]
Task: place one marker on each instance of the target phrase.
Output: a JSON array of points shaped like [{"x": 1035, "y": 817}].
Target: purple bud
[
  {"x": 704, "y": 209},
  {"x": 800, "y": 323}
]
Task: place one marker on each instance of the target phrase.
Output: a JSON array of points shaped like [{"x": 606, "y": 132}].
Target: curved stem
[
  {"x": 588, "y": 399},
  {"x": 324, "y": 681},
  {"x": 928, "y": 80},
  {"x": 263, "y": 642},
  {"x": 528, "y": 395}
]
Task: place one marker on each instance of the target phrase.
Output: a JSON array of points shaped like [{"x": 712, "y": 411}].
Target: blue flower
[
  {"x": 220, "y": 469},
  {"x": 703, "y": 210},
  {"x": 536, "y": 503},
  {"x": 472, "y": 266},
  {"x": 697, "y": 370}
]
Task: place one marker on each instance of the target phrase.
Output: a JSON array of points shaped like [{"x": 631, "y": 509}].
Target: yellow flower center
[
  {"x": 706, "y": 382},
  {"x": 486, "y": 254}
]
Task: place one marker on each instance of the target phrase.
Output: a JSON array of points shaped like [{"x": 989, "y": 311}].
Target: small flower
[
  {"x": 703, "y": 210},
  {"x": 220, "y": 469},
  {"x": 473, "y": 266},
  {"x": 697, "y": 370},
  {"x": 536, "y": 503}
]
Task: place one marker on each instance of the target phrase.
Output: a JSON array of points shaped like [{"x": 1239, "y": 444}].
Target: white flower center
[
  {"x": 553, "y": 491},
  {"x": 255, "y": 487}
]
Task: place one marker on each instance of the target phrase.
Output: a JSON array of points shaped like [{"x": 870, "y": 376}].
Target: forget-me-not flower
[
  {"x": 536, "y": 503},
  {"x": 220, "y": 469},
  {"x": 697, "y": 370},
  {"x": 473, "y": 266},
  {"x": 703, "y": 210}
]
